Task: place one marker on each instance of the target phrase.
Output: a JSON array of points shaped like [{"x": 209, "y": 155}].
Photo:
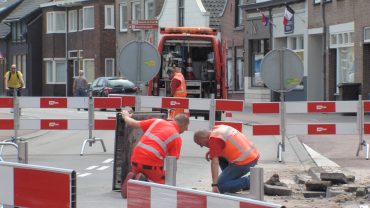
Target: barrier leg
[
  {"x": 91, "y": 142},
  {"x": 171, "y": 168},
  {"x": 367, "y": 151},
  {"x": 23, "y": 152},
  {"x": 280, "y": 152},
  {"x": 256, "y": 180},
  {"x": 10, "y": 144}
]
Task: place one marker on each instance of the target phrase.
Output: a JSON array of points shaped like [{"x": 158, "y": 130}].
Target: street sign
[
  {"x": 139, "y": 61},
  {"x": 282, "y": 70},
  {"x": 143, "y": 24}
]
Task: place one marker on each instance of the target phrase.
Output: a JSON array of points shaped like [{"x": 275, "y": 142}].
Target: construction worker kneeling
[
  {"x": 233, "y": 152},
  {"x": 160, "y": 138}
]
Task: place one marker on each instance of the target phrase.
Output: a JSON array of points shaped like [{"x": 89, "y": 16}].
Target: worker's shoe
[
  {"x": 140, "y": 177},
  {"x": 129, "y": 176}
]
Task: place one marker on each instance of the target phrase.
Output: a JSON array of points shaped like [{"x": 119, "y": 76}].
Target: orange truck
[{"x": 200, "y": 55}]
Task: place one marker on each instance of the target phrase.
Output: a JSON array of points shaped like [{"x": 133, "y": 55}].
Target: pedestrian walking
[
  {"x": 80, "y": 86},
  {"x": 233, "y": 152},
  {"x": 178, "y": 89},
  {"x": 160, "y": 138}
]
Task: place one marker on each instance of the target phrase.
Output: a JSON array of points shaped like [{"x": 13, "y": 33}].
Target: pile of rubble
[{"x": 321, "y": 182}]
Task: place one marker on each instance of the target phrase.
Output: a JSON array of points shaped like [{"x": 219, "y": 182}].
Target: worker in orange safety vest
[
  {"x": 233, "y": 152},
  {"x": 178, "y": 89},
  {"x": 160, "y": 138}
]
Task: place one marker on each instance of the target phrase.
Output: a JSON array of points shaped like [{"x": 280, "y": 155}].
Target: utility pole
[{"x": 142, "y": 14}]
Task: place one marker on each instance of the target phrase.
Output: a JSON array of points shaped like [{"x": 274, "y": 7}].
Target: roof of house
[
  {"x": 26, "y": 8},
  {"x": 215, "y": 8},
  {"x": 4, "y": 30},
  {"x": 6, "y": 4}
]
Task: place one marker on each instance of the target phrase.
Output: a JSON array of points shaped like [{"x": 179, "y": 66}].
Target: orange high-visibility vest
[
  {"x": 155, "y": 142},
  {"x": 238, "y": 148},
  {"x": 180, "y": 90}
]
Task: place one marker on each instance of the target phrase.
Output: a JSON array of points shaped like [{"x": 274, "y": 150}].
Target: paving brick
[
  {"x": 334, "y": 191},
  {"x": 315, "y": 172},
  {"x": 351, "y": 178},
  {"x": 302, "y": 179},
  {"x": 350, "y": 189},
  {"x": 314, "y": 185},
  {"x": 335, "y": 178},
  {"x": 314, "y": 194},
  {"x": 361, "y": 191},
  {"x": 277, "y": 190}
]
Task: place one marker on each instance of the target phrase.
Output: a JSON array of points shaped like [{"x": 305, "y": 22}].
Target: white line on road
[
  {"x": 92, "y": 167},
  {"x": 103, "y": 167},
  {"x": 108, "y": 160},
  {"x": 83, "y": 175}
]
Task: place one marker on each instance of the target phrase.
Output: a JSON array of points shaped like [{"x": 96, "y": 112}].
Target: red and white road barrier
[
  {"x": 24, "y": 185},
  {"x": 307, "y": 107},
  {"x": 58, "y": 124},
  {"x": 150, "y": 195},
  {"x": 308, "y": 129}
]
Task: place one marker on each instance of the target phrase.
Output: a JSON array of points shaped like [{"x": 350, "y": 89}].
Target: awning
[{"x": 63, "y": 3}]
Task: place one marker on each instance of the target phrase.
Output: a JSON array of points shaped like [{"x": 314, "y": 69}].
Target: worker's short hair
[
  {"x": 182, "y": 119},
  {"x": 170, "y": 71}
]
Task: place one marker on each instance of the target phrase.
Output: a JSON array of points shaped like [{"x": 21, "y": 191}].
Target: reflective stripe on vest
[
  {"x": 162, "y": 144},
  {"x": 226, "y": 137}
]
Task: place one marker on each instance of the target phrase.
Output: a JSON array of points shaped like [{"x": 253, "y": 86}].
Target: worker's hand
[
  {"x": 126, "y": 113},
  {"x": 215, "y": 189},
  {"x": 207, "y": 156}
]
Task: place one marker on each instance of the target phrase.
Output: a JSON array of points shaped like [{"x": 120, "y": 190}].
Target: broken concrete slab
[
  {"x": 334, "y": 191},
  {"x": 302, "y": 179},
  {"x": 335, "y": 178},
  {"x": 277, "y": 190},
  {"x": 314, "y": 194},
  {"x": 315, "y": 185}
]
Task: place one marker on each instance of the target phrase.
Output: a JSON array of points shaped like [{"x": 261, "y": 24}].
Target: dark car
[{"x": 103, "y": 86}]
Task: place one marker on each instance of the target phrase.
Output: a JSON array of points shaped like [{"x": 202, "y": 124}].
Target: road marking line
[
  {"x": 103, "y": 167},
  {"x": 92, "y": 167},
  {"x": 108, "y": 160},
  {"x": 83, "y": 175}
]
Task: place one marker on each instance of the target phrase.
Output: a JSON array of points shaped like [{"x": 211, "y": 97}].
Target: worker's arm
[
  {"x": 174, "y": 85},
  {"x": 130, "y": 121},
  {"x": 214, "y": 171}
]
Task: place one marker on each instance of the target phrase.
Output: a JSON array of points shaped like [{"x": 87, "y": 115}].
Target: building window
[
  {"x": 345, "y": 65},
  {"x": 89, "y": 69},
  {"x": 135, "y": 11},
  {"x": 56, "y": 22},
  {"x": 18, "y": 30},
  {"x": 366, "y": 35},
  {"x": 123, "y": 17},
  {"x": 229, "y": 65},
  {"x": 149, "y": 9},
  {"x": 259, "y": 49},
  {"x": 109, "y": 67},
  {"x": 72, "y": 21},
  {"x": 238, "y": 13},
  {"x": 239, "y": 69},
  {"x": 109, "y": 16},
  {"x": 56, "y": 71},
  {"x": 80, "y": 19},
  {"x": 181, "y": 13},
  {"x": 88, "y": 18}
]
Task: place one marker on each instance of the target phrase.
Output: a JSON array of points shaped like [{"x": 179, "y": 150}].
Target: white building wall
[{"x": 195, "y": 14}]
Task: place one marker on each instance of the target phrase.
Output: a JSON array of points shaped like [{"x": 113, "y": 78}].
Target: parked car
[{"x": 103, "y": 86}]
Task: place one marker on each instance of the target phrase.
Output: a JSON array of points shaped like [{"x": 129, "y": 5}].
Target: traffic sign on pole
[{"x": 143, "y": 24}]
